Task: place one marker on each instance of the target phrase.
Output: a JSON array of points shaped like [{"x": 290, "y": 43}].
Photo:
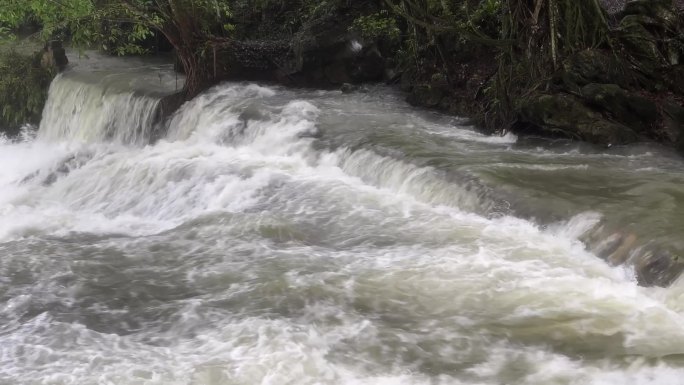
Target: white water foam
[{"x": 297, "y": 265}]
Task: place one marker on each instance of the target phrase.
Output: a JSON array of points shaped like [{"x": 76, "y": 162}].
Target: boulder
[
  {"x": 595, "y": 66},
  {"x": 630, "y": 109},
  {"x": 408, "y": 79},
  {"x": 367, "y": 66},
  {"x": 652, "y": 33},
  {"x": 337, "y": 73},
  {"x": 673, "y": 122},
  {"x": 426, "y": 95},
  {"x": 640, "y": 43},
  {"x": 658, "y": 268},
  {"x": 664, "y": 11},
  {"x": 673, "y": 78},
  {"x": 567, "y": 116},
  {"x": 348, "y": 88}
]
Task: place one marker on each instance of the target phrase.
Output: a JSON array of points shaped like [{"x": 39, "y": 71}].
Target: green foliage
[
  {"x": 23, "y": 89},
  {"x": 377, "y": 26},
  {"x": 124, "y": 39},
  {"x": 53, "y": 16},
  {"x": 532, "y": 38},
  {"x": 486, "y": 18},
  {"x": 117, "y": 26}
]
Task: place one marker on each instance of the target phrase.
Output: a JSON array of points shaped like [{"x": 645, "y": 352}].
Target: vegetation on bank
[
  {"x": 556, "y": 67},
  {"x": 23, "y": 89}
]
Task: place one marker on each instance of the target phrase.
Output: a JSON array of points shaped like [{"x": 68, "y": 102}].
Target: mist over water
[{"x": 278, "y": 236}]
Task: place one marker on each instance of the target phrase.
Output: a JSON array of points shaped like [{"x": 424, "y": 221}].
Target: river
[{"x": 275, "y": 236}]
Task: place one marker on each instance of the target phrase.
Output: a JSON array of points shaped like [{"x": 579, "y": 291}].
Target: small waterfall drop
[{"x": 78, "y": 110}]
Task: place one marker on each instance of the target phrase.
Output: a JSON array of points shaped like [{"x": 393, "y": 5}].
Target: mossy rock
[
  {"x": 630, "y": 109},
  {"x": 595, "y": 66},
  {"x": 566, "y": 115},
  {"x": 664, "y": 11},
  {"x": 640, "y": 43}
]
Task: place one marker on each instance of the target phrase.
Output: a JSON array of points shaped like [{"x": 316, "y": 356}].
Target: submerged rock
[
  {"x": 653, "y": 265},
  {"x": 658, "y": 268}
]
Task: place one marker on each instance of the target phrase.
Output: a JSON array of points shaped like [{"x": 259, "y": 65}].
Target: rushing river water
[{"x": 275, "y": 236}]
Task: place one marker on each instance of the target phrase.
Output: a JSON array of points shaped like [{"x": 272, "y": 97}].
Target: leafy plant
[
  {"x": 377, "y": 26},
  {"x": 23, "y": 89}
]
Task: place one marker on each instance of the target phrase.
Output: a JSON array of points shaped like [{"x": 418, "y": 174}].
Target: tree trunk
[{"x": 197, "y": 77}]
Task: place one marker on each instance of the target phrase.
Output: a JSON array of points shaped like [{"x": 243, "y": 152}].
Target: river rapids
[{"x": 274, "y": 236}]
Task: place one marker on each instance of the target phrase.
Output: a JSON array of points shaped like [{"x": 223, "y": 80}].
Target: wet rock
[
  {"x": 658, "y": 268},
  {"x": 640, "y": 43},
  {"x": 664, "y": 11},
  {"x": 673, "y": 122},
  {"x": 652, "y": 35},
  {"x": 654, "y": 265},
  {"x": 368, "y": 66},
  {"x": 673, "y": 78},
  {"x": 630, "y": 109},
  {"x": 567, "y": 116},
  {"x": 407, "y": 80},
  {"x": 348, "y": 88},
  {"x": 336, "y": 73},
  {"x": 426, "y": 95},
  {"x": 616, "y": 248},
  {"x": 594, "y": 66}
]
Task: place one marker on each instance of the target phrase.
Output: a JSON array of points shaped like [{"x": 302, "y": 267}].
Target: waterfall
[{"x": 81, "y": 111}]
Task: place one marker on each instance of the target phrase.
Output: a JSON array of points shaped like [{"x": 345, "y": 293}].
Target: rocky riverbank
[
  {"x": 595, "y": 95},
  {"x": 629, "y": 91}
]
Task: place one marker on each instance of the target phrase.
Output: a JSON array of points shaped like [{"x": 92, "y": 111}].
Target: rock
[
  {"x": 407, "y": 80},
  {"x": 368, "y": 66},
  {"x": 54, "y": 56},
  {"x": 664, "y": 11},
  {"x": 673, "y": 122},
  {"x": 336, "y": 73},
  {"x": 673, "y": 78},
  {"x": 630, "y": 109},
  {"x": 348, "y": 88},
  {"x": 639, "y": 43},
  {"x": 594, "y": 66},
  {"x": 652, "y": 33},
  {"x": 328, "y": 42},
  {"x": 391, "y": 75},
  {"x": 425, "y": 95},
  {"x": 566, "y": 115},
  {"x": 658, "y": 268}
]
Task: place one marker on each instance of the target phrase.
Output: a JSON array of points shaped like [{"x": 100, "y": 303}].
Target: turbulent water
[{"x": 275, "y": 236}]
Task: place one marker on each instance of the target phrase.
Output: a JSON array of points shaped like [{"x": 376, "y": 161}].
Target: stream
[{"x": 267, "y": 235}]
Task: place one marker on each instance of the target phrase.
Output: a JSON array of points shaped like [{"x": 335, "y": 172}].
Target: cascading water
[
  {"x": 76, "y": 110},
  {"x": 276, "y": 236}
]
